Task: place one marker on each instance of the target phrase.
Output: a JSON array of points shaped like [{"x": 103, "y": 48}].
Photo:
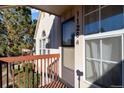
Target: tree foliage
[{"x": 16, "y": 30}]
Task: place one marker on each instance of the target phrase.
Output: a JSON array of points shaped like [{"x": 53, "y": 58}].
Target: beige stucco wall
[
  {"x": 68, "y": 57},
  {"x": 79, "y": 49},
  {"x": 68, "y": 54}
]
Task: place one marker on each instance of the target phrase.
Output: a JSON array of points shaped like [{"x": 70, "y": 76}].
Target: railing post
[{"x": 0, "y": 74}]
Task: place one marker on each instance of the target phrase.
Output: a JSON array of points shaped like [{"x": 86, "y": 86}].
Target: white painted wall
[
  {"x": 79, "y": 59},
  {"x": 46, "y": 23}
]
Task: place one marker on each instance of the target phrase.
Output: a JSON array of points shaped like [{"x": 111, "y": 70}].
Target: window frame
[
  {"x": 70, "y": 19},
  {"x": 92, "y": 10},
  {"x": 89, "y": 14},
  {"x": 99, "y": 10},
  {"x": 101, "y": 61}
]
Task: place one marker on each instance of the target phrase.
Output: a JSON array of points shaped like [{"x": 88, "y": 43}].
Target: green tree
[{"x": 16, "y": 30}]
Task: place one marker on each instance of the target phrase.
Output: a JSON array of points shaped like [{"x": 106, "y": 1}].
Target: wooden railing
[{"x": 29, "y": 71}]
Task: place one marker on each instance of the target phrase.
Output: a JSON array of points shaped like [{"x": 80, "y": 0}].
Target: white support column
[{"x": 79, "y": 46}]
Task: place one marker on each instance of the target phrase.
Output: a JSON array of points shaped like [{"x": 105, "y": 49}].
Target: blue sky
[{"x": 35, "y": 13}]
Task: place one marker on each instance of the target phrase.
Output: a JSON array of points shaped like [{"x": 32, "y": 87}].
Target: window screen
[{"x": 111, "y": 49}]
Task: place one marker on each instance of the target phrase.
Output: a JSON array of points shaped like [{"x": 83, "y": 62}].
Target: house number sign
[{"x": 77, "y": 25}]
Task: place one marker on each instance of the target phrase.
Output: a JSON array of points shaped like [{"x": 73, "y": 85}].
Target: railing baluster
[
  {"x": 33, "y": 73},
  {"x": 37, "y": 73},
  {"x": 19, "y": 74},
  {"x": 13, "y": 75},
  {"x": 7, "y": 75},
  {"x": 24, "y": 78},
  {"x": 0, "y": 74},
  {"x": 41, "y": 72},
  {"x": 44, "y": 71},
  {"x": 48, "y": 71},
  {"x": 28, "y": 75},
  {"x": 54, "y": 68},
  {"x": 51, "y": 69},
  {"x": 57, "y": 68}
]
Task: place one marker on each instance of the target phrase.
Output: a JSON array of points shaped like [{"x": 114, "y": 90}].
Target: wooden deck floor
[{"x": 55, "y": 84}]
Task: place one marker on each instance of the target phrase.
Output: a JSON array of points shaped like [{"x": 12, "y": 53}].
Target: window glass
[
  {"x": 93, "y": 49},
  {"x": 111, "y": 49},
  {"x": 40, "y": 44},
  {"x": 92, "y": 71},
  {"x": 108, "y": 71},
  {"x": 40, "y": 52},
  {"x": 91, "y": 23},
  {"x": 44, "y": 51},
  {"x": 44, "y": 46},
  {"x": 112, "y": 74},
  {"x": 111, "y": 18},
  {"x": 68, "y": 33},
  {"x": 89, "y": 8}
]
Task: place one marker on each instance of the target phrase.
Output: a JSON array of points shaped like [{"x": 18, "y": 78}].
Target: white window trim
[
  {"x": 104, "y": 61},
  {"x": 103, "y": 35},
  {"x": 90, "y": 83},
  {"x": 114, "y": 33},
  {"x": 100, "y": 35}
]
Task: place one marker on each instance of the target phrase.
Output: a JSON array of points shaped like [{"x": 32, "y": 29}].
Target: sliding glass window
[
  {"x": 103, "y": 18},
  {"x": 112, "y": 18},
  {"x": 91, "y": 23}
]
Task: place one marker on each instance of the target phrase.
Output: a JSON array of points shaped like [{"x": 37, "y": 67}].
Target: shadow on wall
[
  {"x": 54, "y": 36},
  {"x": 111, "y": 78}
]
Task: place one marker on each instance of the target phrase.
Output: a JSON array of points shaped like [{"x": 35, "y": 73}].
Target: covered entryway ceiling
[{"x": 53, "y": 9}]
